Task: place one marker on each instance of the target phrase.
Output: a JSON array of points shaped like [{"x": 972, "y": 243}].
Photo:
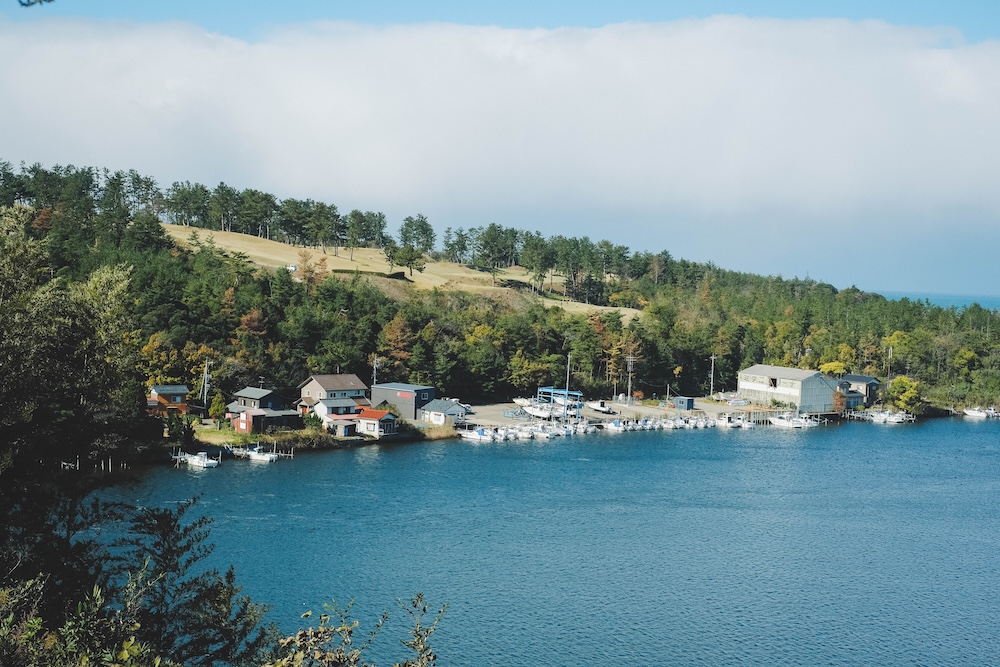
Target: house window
[
  {"x": 307, "y": 393},
  {"x": 423, "y": 396},
  {"x": 772, "y": 382},
  {"x": 177, "y": 399},
  {"x": 319, "y": 394}
]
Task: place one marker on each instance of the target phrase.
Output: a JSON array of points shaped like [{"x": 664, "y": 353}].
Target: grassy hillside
[{"x": 442, "y": 275}]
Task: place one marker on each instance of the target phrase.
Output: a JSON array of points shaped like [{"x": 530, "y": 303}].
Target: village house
[
  {"x": 167, "y": 399},
  {"x": 255, "y": 410},
  {"x": 865, "y": 385},
  {"x": 317, "y": 388},
  {"x": 376, "y": 423}
]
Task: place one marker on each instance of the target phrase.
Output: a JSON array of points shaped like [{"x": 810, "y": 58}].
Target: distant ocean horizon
[{"x": 991, "y": 302}]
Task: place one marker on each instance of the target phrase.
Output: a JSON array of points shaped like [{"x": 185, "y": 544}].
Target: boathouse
[{"x": 809, "y": 391}]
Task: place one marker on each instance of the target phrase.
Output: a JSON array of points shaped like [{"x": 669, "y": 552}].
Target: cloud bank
[{"x": 762, "y": 145}]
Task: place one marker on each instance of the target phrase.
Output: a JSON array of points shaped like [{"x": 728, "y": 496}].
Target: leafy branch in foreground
[{"x": 331, "y": 643}]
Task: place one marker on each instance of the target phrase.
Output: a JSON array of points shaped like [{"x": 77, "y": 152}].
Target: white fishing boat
[
  {"x": 540, "y": 410},
  {"x": 600, "y": 406},
  {"x": 616, "y": 426},
  {"x": 890, "y": 417},
  {"x": 727, "y": 420},
  {"x": 260, "y": 456},
  {"x": 478, "y": 435},
  {"x": 792, "y": 420},
  {"x": 255, "y": 453},
  {"x": 980, "y": 413},
  {"x": 199, "y": 460}
]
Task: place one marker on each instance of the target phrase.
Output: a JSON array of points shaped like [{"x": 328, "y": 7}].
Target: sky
[{"x": 853, "y": 143}]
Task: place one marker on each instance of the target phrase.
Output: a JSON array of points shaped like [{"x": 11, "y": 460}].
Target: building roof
[
  {"x": 253, "y": 392},
  {"x": 780, "y": 372},
  {"x": 350, "y": 417},
  {"x": 375, "y": 415},
  {"x": 447, "y": 407},
  {"x": 400, "y": 386},
  {"x": 337, "y": 382},
  {"x": 267, "y": 412},
  {"x": 339, "y": 402},
  {"x": 860, "y": 379},
  {"x": 169, "y": 389}
]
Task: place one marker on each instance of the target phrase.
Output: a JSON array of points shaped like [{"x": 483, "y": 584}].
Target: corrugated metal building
[
  {"x": 810, "y": 391},
  {"x": 408, "y": 398}
]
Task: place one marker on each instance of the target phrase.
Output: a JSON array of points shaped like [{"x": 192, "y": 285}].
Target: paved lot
[
  {"x": 504, "y": 413},
  {"x": 498, "y": 414}
]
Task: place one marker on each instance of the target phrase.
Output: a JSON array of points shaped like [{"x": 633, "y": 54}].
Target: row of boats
[
  {"x": 794, "y": 420},
  {"x": 981, "y": 413},
  {"x": 560, "y": 407},
  {"x": 546, "y": 430},
  {"x": 536, "y": 431},
  {"x": 679, "y": 422},
  {"x": 203, "y": 460}
]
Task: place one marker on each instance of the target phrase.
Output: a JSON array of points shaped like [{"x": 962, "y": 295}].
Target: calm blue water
[
  {"x": 948, "y": 300},
  {"x": 844, "y": 545}
]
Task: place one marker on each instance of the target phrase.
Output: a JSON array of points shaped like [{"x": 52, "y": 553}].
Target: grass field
[{"x": 442, "y": 275}]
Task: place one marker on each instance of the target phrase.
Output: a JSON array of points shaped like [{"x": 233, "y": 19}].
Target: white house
[
  {"x": 809, "y": 391},
  {"x": 376, "y": 423}
]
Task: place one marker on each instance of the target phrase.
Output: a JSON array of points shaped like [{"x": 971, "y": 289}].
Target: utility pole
[
  {"x": 375, "y": 371},
  {"x": 566, "y": 402},
  {"x": 711, "y": 384},
  {"x": 631, "y": 362},
  {"x": 206, "y": 379}
]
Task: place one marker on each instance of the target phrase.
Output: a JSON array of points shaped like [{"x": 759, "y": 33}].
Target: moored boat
[
  {"x": 199, "y": 460},
  {"x": 793, "y": 420}
]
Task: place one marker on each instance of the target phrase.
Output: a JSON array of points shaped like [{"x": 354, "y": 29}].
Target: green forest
[{"x": 97, "y": 303}]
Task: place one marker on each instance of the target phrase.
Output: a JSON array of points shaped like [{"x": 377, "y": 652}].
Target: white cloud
[{"x": 768, "y": 132}]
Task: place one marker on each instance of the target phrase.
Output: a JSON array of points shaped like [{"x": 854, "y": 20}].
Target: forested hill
[
  {"x": 182, "y": 305},
  {"x": 97, "y": 302}
]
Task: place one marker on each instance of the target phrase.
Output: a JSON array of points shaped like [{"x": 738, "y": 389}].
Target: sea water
[
  {"x": 853, "y": 544},
  {"x": 959, "y": 301}
]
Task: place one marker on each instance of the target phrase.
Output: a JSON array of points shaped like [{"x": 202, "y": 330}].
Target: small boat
[
  {"x": 792, "y": 420},
  {"x": 479, "y": 435},
  {"x": 259, "y": 455},
  {"x": 199, "y": 460},
  {"x": 980, "y": 413},
  {"x": 600, "y": 406},
  {"x": 890, "y": 417},
  {"x": 540, "y": 410}
]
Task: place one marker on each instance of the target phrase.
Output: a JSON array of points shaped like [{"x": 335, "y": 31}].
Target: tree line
[{"x": 97, "y": 303}]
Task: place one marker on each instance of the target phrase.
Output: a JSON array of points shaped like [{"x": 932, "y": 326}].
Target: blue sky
[
  {"x": 851, "y": 142},
  {"x": 976, "y": 19}
]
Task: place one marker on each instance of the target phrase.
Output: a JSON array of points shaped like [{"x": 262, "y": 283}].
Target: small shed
[
  {"x": 683, "y": 403},
  {"x": 439, "y": 411}
]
